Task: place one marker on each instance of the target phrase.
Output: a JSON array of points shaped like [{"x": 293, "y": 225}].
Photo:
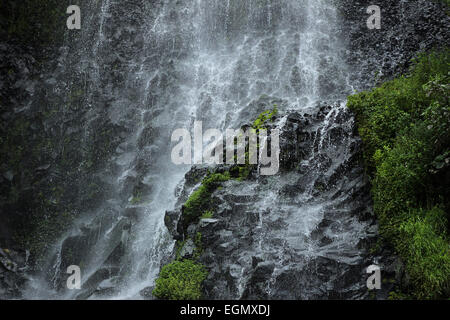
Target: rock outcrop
[{"x": 301, "y": 234}]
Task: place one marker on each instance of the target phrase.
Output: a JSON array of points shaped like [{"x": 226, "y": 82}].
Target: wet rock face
[
  {"x": 407, "y": 27},
  {"x": 301, "y": 234},
  {"x": 47, "y": 157},
  {"x": 61, "y": 138},
  {"x": 13, "y": 266},
  {"x": 99, "y": 279},
  {"x": 16, "y": 68}
]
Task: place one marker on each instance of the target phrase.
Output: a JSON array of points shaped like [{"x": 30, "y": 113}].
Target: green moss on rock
[
  {"x": 180, "y": 280},
  {"x": 200, "y": 200},
  {"x": 264, "y": 117}
]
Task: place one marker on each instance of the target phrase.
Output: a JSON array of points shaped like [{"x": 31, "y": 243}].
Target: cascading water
[{"x": 150, "y": 67}]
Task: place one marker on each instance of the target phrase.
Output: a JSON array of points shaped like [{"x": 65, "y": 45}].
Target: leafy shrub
[
  {"x": 399, "y": 180},
  {"x": 427, "y": 257},
  {"x": 180, "y": 280},
  {"x": 405, "y": 128},
  {"x": 387, "y": 111}
]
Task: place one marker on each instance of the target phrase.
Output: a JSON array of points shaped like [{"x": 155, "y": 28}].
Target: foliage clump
[
  {"x": 405, "y": 128},
  {"x": 242, "y": 172},
  {"x": 265, "y": 116},
  {"x": 207, "y": 215},
  {"x": 180, "y": 280},
  {"x": 200, "y": 200}
]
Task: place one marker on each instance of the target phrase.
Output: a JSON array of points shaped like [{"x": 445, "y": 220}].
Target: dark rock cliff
[{"x": 407, "y": 28}]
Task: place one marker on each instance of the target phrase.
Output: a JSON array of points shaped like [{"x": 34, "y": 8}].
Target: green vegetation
[
  {"x": 198, "y": 245},
  {"x": 242, "y": 172},
  {"x": 200, "y": 200},
  {"x": 264, "y": 117},
  {"x": 405, "y": 128},
  {"x": 178, "y": 247},
  {"x": 180, "y": 280},
  {"x": 207, "y": 215},
  {"x": 136, "y": 199}
]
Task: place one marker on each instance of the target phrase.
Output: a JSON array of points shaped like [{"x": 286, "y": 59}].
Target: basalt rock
[
  {"x": 13, "y": 267},
  {"x": 407, "y": 27},
  {"x": 305, "y": 243}
]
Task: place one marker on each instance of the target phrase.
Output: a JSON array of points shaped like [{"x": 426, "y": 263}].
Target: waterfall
[{"x": 150, "y": 67}]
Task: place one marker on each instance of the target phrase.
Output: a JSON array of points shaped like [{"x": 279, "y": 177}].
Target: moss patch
[
  {"x": 180, "y": 280},
  {"x": 200, "y": 200},
  {"x": 264, "y": 117}
]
